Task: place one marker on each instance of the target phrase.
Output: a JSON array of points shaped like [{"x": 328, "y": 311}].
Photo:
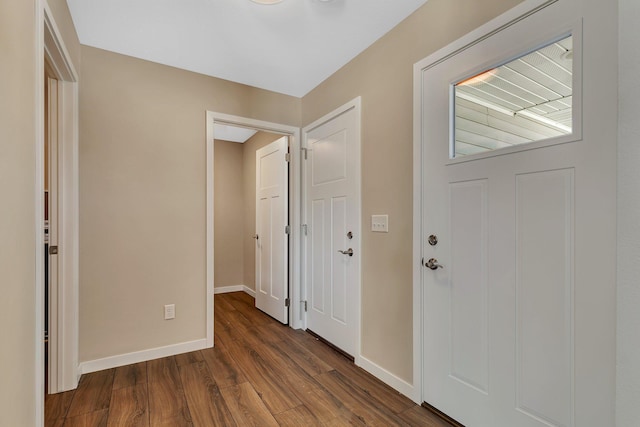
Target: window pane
[{"x": 528, "y": 99}]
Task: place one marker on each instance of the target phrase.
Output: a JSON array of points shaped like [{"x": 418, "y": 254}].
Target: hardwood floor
[{"x": 260, "y": 373}]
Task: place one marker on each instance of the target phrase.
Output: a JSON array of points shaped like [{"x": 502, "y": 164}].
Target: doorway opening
[
  {"x": 251, "y": 217},
  {"x": 231, "y": 209}
]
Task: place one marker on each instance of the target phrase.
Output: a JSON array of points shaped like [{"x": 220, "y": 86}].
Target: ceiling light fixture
[{"x": 266, "y": 1}]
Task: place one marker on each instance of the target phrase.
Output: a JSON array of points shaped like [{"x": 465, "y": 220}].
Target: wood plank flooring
[{"x": 260, "y": 373}]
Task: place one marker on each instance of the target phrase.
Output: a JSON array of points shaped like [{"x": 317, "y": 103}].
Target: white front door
[
  {"x": 332, "y": 216},
  {"x": 519, "y": 242},
  {"x": 272, "y": 248}
]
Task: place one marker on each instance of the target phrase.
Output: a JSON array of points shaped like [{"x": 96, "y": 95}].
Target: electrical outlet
[
  {"x": 169, "y": 311},
  {"x": 380, "y": 223}
]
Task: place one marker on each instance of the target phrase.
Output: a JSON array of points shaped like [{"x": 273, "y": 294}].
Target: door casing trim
[
  {"x": 50, "y": 45},
  {"x": 294, "y": 210}
]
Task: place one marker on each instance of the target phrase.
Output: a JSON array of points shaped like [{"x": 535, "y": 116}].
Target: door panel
[
  {"x": 340, "y": 263},
  {"x": 271, "y": 219},
  {"x": 329, "y": 160},
  {"x": 332, "y": 211},
  {"x": 318, "y": 254},
  {"x": 544, "y": 237},
  {"x": 468, "y": 293}
]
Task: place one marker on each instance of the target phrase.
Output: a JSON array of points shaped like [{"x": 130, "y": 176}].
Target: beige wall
[
  {"x": 142, "y": 197},
  {"x": 383, "y": 76},
  {"x": 17, "y": 188},
  {"x": 229, "y": 213},
  {"x": 252, "y": 145}
]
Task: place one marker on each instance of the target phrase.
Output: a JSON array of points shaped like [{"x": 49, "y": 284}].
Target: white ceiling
[
  {"x": 288, "y": 47},
  {"x": 232, "y": 133}
]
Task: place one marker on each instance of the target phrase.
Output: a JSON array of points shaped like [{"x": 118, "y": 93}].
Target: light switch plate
[{"x": 380, "y": 223}]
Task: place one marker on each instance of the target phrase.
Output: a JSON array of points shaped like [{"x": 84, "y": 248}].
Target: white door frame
[
  {"x": 355, "y": 104},
  {"x": 293, "y": 133},
  {"x": 507, "y": 19},
  {"x": 63, "y": 364}
]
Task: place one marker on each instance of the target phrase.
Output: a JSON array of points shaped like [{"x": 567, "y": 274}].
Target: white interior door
[
  {"x": 332, "y": 216},
  {"x": 522, "y": 235},
  {"x": 272, "y": 201},
  {"x": 52, "y": 133}
]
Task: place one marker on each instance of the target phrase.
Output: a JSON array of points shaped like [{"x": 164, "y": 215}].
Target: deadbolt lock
[{"x": 433, "y": 240}]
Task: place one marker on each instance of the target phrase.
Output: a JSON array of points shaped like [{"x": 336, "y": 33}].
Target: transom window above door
[{"x": 525, "y": 100}]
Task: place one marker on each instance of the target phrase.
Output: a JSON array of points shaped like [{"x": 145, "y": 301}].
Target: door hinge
[
  {"x": 305, "y": 150},
  {"x": 287, "y": 157},
  {"x": 287, "y": 229},
  {"x": 304, "y": 229},
  {"x": 287, "y": 302},
  {"x": 305, "y": 305}
]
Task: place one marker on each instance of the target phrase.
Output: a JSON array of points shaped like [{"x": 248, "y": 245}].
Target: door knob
[
  {"x": 433, "y": 264},
  {"x": 347, "y": 252}
]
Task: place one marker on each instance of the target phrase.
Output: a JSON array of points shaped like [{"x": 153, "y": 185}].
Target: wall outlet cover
[{"x": 169, "y": 311}]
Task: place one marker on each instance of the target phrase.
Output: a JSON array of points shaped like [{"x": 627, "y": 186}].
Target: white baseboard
[
  {"x": 227, "y": 289},
  {"x": 234, "y": 288},
  {"x": 388, "y": 378},
  {"x": 140, "y": 356}
]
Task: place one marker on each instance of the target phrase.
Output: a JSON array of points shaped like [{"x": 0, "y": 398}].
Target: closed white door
[
  {"x": 332, "y": 218},
  {"x": 517, "y": 238},
  {"x": 272, "y": 288}
]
